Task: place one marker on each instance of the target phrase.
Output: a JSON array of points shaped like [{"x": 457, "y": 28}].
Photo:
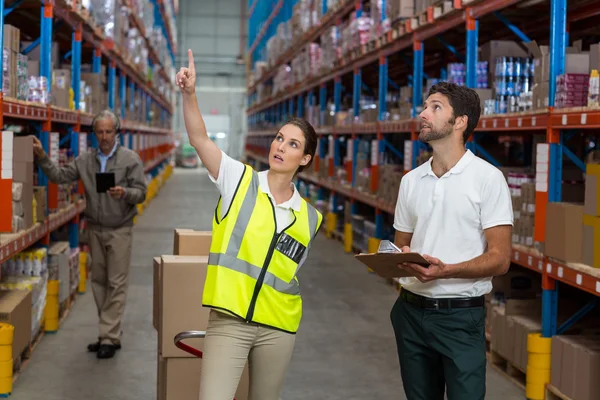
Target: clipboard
[
  {"x": 386, "y": 264},
  {"x": 104, "y": 181}
]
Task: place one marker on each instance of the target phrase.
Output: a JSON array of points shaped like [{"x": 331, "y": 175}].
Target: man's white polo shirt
[{"x": 448, "y": 216}]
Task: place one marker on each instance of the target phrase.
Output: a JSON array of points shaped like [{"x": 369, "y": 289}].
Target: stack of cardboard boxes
[
  {"x": 510, "y": 326},
  {"x": 23, "y": 206},
  {"x": 572, "y": 90},
  {"x": 576, "y": 62},
  {"x": 15, "y": 65},
  {"x": 576, "y": 366},
  {"x": 514, "y": 311},
  {"x": 177, "y": 307},
  {"x": 400, "y": 9},
  {"x": 390, "y": 176},
  {"x": 572, "y": 228},
  {"x": 405, "y": 102},
  {"x": 522, "y": 190}
]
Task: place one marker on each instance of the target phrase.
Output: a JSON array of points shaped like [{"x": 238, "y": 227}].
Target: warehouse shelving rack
[
  {"x": 153, "y": 144},
  {"x": 412, "y": 34}
]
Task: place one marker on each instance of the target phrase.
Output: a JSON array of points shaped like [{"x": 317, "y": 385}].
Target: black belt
[{"x": 428, "y": 303}]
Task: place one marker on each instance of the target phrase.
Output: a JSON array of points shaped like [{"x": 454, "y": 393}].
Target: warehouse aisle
[{"x": 345, "y": 348}]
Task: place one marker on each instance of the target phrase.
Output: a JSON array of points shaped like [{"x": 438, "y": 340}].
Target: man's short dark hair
[{"x": 464, "y": 101}]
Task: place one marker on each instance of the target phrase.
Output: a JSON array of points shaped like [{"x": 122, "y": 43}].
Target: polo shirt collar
[
  {"x": 457, "y": 169},
  {"x": 295, "y": 202}
]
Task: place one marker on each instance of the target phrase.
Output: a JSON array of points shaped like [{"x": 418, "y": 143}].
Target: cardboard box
[
  {"x": 576, "y": 61},
  {"x": 179, "y": 379},
  {"x": 156, "y": 292},
  {"x": 12, "y": 38},
  {"x": 591, "y": 241},
  {"x": 587, "y": 366},
  {"x": 188, "y": 242},
  {"x": 524, "y": 325},
  {"x": 33, "y": 68},
  {"x": 41, "y": 198},
  {"x": 498, "y": 327},
  {"x": 592, "y": 190},
  {"x": 35, "y": 53},
  {"x": 576, "y": 366},
  {"x": 556, "y": 362},
  {"x": 182, "y": 285},
  {"x": 23, "y": 149},
  {"x": 484, "y": 94},
  {"x": 564, "y": 231},
  {"x": 15, "y": 309},
  {"x": 23, "y": 172}
]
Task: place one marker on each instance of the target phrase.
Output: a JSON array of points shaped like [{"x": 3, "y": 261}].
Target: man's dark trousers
[{"x": 440, "y": 349}]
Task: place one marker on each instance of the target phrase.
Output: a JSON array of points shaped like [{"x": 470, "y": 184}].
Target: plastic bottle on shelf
[{"x": 594, "y": 89}]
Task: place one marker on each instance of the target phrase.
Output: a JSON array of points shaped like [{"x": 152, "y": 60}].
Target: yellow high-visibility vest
[{"x": 251, "y": 268}]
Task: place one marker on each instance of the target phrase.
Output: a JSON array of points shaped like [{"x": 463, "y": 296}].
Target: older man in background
[{"x": 110, "y": 220}]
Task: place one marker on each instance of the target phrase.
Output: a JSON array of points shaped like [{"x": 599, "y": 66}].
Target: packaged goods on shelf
[
  {"x": 572, "y": 90},
  {"x": 32, "y": 262},
  {"x": 330, "y": 49},
  {"x": 510, "y": 325},
  {"x": 15, "y": 309},
  {"x": 380, "y": 12},
  {"x": 22, "y": 183},
  {"x": 282, "y": 80},
  {"x": 564, "y": 232},
  {"x": 38, "y": 89},
  {"x": 522, "y": 190},
  {"x": 301, "y": 19},
  {"x": 389, "y": 182},
  {"x": 105, "y": 13},
  {"x": 369, "y": 109},
  {"x": 41, "y": 205},
  {"x": 594, "y": 89},
  {"x": 400, "y": 9},
  {"x": 28, "y": 271},
  {"x": 405, "y": 102},
  {"x": 278, "y": 43},
  {"x": 59, "y": 268},
  {"x": 306, "y": 64},
  {"x": 6, "y": 71}
]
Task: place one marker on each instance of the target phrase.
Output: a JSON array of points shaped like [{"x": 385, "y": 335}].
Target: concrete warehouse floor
[{"x": 345, "y": 347}]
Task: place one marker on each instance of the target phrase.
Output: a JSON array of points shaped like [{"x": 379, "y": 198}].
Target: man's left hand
[
  {"x": 117, "y": 192},
  {"x": 436, "y": 270}
]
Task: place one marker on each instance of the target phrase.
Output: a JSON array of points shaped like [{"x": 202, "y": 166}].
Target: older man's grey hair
[{"x": 107, "y": 114}]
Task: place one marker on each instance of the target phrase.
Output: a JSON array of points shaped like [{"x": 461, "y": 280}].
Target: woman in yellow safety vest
[{"x": 262, "y": 233}]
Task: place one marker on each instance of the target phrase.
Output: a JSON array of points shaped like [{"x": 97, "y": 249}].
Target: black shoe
[
  {"x": 106, "y": 351},
  {"x": 93, "y": 347}
]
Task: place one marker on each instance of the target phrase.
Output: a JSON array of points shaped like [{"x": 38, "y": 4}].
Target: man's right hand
[{"x": 38, "y": 150}]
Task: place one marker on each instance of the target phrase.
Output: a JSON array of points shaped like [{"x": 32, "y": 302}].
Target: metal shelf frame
[
  {"x": 153, "y": 144},
  {"x": 551, "y": 122}
]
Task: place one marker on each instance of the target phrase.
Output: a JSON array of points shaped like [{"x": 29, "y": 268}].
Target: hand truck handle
[{"x": 180, "y": 337}]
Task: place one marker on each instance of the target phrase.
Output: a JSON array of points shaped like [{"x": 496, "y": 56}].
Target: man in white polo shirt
[{"x": 456, "y": 210}]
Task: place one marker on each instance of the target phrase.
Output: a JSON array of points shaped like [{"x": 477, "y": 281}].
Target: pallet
[
  {"x": 65, "y": 307},
  {"x": 21, "y": 362},
  {"x": 553, "y": 393},
  {"x": 507, "y": 369}
]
